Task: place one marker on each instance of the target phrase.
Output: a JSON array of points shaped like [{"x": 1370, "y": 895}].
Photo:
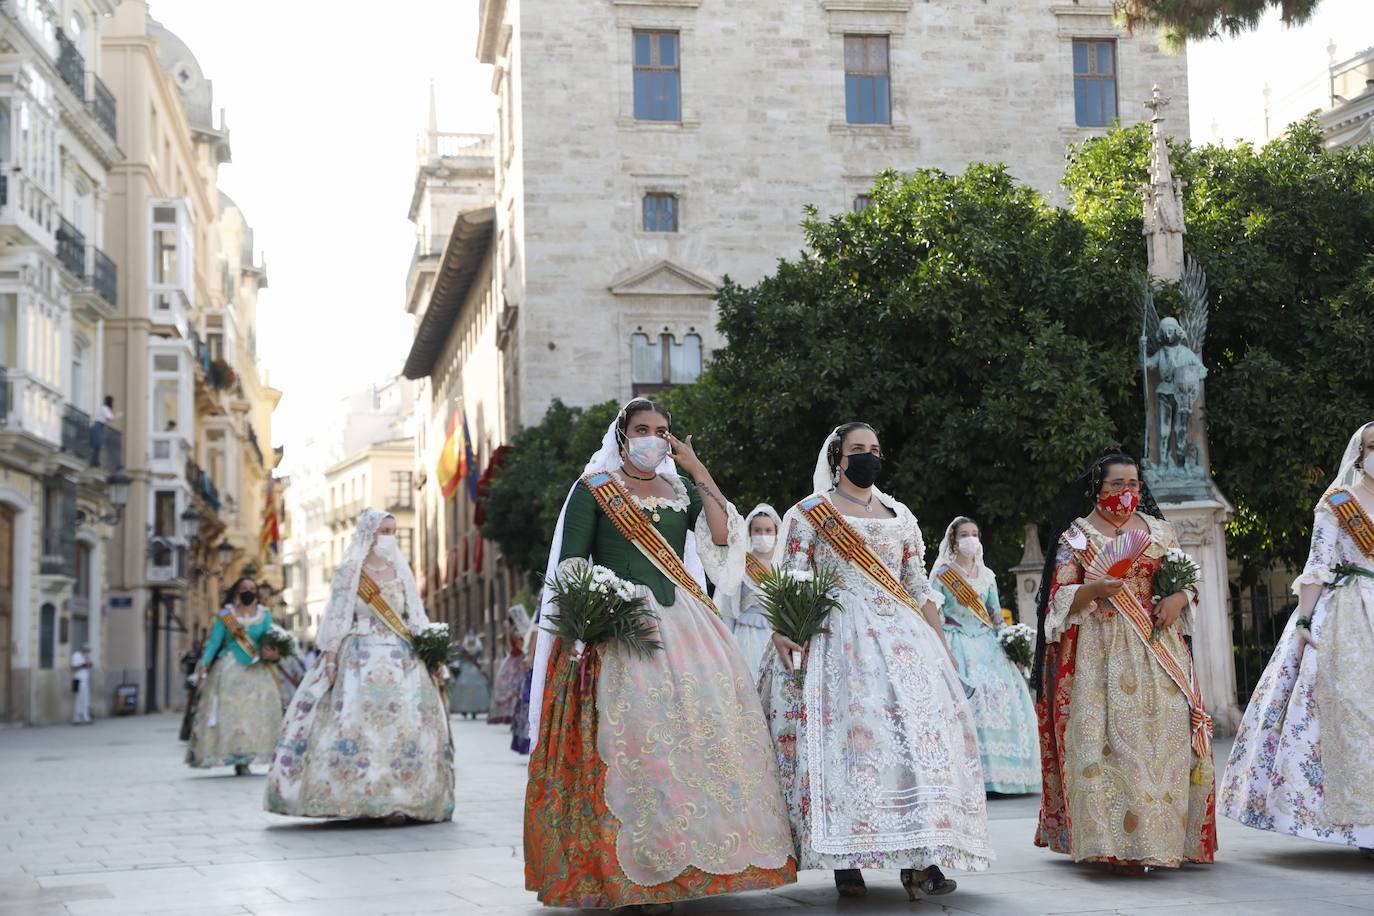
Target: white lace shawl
[
  {"x": 949, "y": 555},
  {"x": 343, "y": 589}
]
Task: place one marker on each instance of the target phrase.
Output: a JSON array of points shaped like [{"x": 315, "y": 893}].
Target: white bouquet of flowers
[
  {"x": 595, "y": 606},
  {"x": 1176, "y": 572},
  {"x": 1018, "y": 641}
]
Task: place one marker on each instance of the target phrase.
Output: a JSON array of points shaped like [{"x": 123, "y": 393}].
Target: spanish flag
[
  {"x": 457, "y": 463},
  {"x": 270, "y": 537}
]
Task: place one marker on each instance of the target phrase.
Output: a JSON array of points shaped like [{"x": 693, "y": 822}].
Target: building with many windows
[
  {"x": 181, "y": 362},
  {"x": 646, "y": 149},
  {"x": 58, "y": 290}
]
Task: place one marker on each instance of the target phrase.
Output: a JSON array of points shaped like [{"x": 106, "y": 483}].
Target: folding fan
[{"x": 1116, "y": 559}]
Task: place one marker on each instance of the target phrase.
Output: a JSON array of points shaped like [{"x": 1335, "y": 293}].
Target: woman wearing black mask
[
  {"x": 238, "y": 709},
  {"x": 877, "y": 750},
  {"x": 1125, "y": 741}
]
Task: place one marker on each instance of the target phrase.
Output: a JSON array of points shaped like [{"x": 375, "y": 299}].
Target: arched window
[{"x": 661, "y": 361}]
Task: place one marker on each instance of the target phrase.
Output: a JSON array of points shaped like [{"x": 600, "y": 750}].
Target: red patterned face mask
[{"x": 1119, "y": 505}]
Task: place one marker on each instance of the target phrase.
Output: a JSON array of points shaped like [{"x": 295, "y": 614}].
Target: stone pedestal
[
  {"x": 1199, "y": 524},
  {"x": 1027, "y": 574}
]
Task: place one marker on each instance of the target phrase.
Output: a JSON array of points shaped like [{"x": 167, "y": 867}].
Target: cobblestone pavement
[{"x": 107, "y": 820}]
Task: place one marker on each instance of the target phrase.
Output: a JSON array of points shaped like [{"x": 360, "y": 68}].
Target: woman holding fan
[
  {"x": 876, "y": 745},
  {"x": 1125, "y": 742},
  {"x": 652, "y": 777}
]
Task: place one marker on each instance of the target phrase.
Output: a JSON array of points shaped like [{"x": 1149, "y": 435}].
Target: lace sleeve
[
  {"x": 913, "y": 572},
  {"x": 1322, "y": 555},
  {"x": 723, "y": 563},
  {"x": 799, "y": 550},
  {"x": 1068, "y": 578}
]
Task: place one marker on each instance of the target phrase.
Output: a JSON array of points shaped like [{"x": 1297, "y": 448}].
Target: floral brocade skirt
[
  {"x": 374, "y": 743},
  {"x": 652, "y": 779},
  {"x": 238, "y": 712},
  {"x": 505, "y": 693}
]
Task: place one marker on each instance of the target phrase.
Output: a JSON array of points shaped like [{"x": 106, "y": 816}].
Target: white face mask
[
  {"x": 647, "y": 452},
  {"x": 762, "y": 543},
  {"x": 386, "y": 546},
  {"x": 1368, "y": 466},
  {"x": 969, "y": 547}
]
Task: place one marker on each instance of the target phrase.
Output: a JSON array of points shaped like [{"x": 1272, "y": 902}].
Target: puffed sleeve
[
  {"x": 1185, "y": 620},
  {"x": 1322, "y": 555},
  {"x": 993, "y": 602},
  {"x": 723, "y": 563},
  {"x": 216, "y": 642},
  {"x": 579, "y": 524},
  {"x": 1068, "y": 579},
  {"x": 338, "y": 614},
  {"x": 913, "y": 574}
]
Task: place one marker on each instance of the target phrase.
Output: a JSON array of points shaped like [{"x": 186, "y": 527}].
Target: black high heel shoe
[
  {"x": 934, "y": 884},
  {"x": 850, "y": 882}
]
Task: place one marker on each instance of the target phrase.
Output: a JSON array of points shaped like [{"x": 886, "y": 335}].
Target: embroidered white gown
[
  {"x": 1304, "y": 745},
  {"x": 877, "y": 752},
  {"x": 375, "y": 742}
]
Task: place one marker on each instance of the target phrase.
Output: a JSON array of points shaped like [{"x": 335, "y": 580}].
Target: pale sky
[{"x": 325, "y": 105}]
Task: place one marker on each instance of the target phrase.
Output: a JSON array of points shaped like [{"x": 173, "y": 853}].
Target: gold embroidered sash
[
  {"x": 238, "y": 632},
  {"x": 755, "y": 568},
  {"x": 852, "y": 548},
  {"x": 964, "y": 592},
  {"x": 1142, "y": 623},
  {"x": 371, "y": 592},
  {"x": 616, "y": 502},
  {"x": 1353, "y": 519}
]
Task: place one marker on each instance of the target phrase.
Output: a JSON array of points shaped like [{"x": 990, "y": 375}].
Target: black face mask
[
  {"x": 863, "y": 469},
  {"x": 248, "y": 598}
]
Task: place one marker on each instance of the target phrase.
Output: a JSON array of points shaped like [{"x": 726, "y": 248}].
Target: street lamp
[
  {"x": 190, "y": 521},
  {"x": 226, "y": 552},
  {"x": 118, "y": 494}
]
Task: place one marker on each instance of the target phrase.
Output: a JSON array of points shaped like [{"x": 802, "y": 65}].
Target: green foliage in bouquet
[
  {"x": 432, "y": 645},
  {"x": 796, "y": 602},
  {"x": 596, "y": 606},
  {"x": 282, "y": 640}
]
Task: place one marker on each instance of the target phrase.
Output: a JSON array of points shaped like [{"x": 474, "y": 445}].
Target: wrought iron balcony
[
  {"x": 6, "y": 396},
  {"x": 103, "y": 107},
  {"x": 71, "y": 248},
  {"x": 104, "y": 276},
  {"x": 112, "y": 450},
  {"x": 59, "y": 553},
  {"x": 76, "y": 432},
  {"x": 71, "y": 66}
]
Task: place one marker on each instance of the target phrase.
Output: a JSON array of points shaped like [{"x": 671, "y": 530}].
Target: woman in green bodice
[{"x": 627, "y": 743}]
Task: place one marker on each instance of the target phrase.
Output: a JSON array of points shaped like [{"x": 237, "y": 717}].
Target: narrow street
[{"x": 106, "y": 820}]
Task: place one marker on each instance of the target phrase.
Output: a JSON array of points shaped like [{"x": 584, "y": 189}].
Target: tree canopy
[
  {"x": 1182, "y": 19},
  {"x": 992, "y": 341}
]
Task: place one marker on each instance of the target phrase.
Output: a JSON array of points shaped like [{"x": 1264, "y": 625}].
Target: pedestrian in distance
[
  {"x": 81, "y": 685},
  {"x": 104, "y": 416},
  {"x": 238, "y": 709}
]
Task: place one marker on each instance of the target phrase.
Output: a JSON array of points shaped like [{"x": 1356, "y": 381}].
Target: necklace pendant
[{"x": 656, "y": 516}]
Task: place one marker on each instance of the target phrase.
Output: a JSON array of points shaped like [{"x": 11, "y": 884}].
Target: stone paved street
[{"x": 105, "y": 820}]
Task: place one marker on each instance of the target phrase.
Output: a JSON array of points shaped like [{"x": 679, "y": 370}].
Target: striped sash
[
  {"x": 1129, "y": 607},
  {"x": 755, "y": 568},
  {"x": 238, "y": 632},
  {"x": 965, "y": 593},
  {"x": 852, "y": 548},
  {"x": 1353, "y": 519},
  {"x": 632, "y": 524},
  {"x": 371, "y": 592}
]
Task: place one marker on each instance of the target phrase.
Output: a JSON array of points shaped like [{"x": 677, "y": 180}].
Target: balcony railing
[
  {"x": 103, "y": 107},
  {"x": 104, "y": 276},
  {"x": 71, "y": 248},
  {"x": 111, "y": 449},
  {"x": 202, "y": 485},
  {"x": 6, "y": 397},
  {"x": 76, "y": 432},
  {"x": 71, "y": 66},
  {"x": 59, "y": 553}
]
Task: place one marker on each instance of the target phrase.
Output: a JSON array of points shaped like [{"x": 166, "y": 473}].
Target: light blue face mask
[{"x": 647, "y": 452}]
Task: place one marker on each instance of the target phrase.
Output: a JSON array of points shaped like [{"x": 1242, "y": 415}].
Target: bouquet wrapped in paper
[
  {"x": 796, "y": 602},
  {"x": 1018, "y": 641},
  {"x": 596, "y": 606},
  {"x": 1176, "y": 572},
  {"x": 282, "y": 640}
]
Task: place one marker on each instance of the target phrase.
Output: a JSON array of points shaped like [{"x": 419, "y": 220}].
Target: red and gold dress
[{"x": 1122, "y": 782}]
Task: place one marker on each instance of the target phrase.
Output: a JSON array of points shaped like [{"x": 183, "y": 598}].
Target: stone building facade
[{"x": 647, "y": 149}]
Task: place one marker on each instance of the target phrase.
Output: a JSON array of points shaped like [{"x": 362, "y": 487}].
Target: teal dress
[{"x": 1003, "y": 711}]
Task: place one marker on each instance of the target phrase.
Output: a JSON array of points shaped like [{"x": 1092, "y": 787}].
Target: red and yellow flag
[{"x": 457, "y": 463}]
